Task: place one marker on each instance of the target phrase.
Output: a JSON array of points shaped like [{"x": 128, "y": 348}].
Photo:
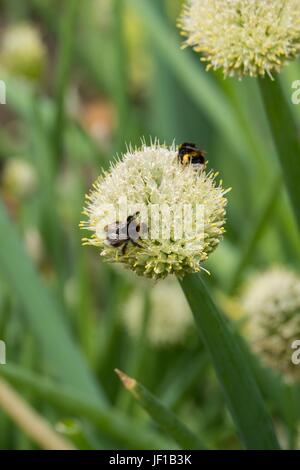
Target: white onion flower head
[
  {"x": 23, "y": 52},
  {"x": 272, "y": 301},
  {"x": 169, "y": 319},
  {"x": 19, "y": 177},
  {"x": 152, "y": 177},
  {"x": 243, "y": 37}
]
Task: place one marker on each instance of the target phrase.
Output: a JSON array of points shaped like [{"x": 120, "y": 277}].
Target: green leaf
[
  {"x": 63, "y": 398},
  {"x": 43, "y": 315},
  {"x": 240, "y": 389},
  {"x": 165, "y": 418},
  {"x": 286, "y": 137},
  {"x": 192, "y": 77},
  {"x": 259, "y": 226},
  {"x": 66, "y": 47},
  {"x": 176, "y": 386}
]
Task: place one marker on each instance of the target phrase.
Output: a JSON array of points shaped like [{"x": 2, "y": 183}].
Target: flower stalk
[
  {"x": 249, "y": 414},
  {"x": 286, "y": 138}
]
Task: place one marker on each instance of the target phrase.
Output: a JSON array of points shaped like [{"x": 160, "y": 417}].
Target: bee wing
[{"x": 143, "y": 230}]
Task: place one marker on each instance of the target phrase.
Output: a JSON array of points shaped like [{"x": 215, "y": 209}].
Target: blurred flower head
[
  {"x": 160, "y": 198},
  {"x": 23, "y": 52},
  {"x": 243, "y": 37},
  {"x": 34, "y": 244},
  {"x": 71, "y": 292},
  {"x": 272, "y": 301},
  {"x": 68, "y": 190},
  {"x": 99, "y": 120},
  {"x": 102, "y": 13},
  {"x": 19, "y": 178},
  {"x": 169, "y": 317}
]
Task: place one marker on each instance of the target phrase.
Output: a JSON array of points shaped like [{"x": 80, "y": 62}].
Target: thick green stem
[
  {"x": 240, "y": 389},
  {"x": 286, "y": 138}
]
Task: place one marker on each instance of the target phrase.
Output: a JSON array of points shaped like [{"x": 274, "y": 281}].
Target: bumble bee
[
  {"x": 121, "y": 233},
  {"x": 190, "y": 154}
]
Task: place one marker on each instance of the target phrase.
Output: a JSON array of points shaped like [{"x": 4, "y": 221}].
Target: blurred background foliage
[{"x": 83, "y": 80}]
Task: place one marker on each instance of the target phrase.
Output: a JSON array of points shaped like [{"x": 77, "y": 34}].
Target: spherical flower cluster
[
  {"x": 34, "y": 245},
  {"x": 23, "y": 52},
  {"x": 272, "y": 301},
  {"x": 161, "y": 195},
  {"x": 243, "y": 37},
  {"x": 19, "y": 178},
  {"x": 169, "y": 318}
]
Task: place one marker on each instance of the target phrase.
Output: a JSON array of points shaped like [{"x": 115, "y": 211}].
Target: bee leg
[
  {"x": 136, "y": 243},
  {"x": 124, "y": 248}
]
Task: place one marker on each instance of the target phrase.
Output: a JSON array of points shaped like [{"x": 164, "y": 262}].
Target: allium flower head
[
  {"x": 162, "y": 197},
  {"x": 272, "y": 301},
  {"x": 169, "y": 317},
  {"x": 243, "y": 37},
  {"x": 19, "y": 178},
  {"x": 22, "y": 51}
]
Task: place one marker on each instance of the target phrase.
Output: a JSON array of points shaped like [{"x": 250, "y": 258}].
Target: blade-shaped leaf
[
  {"x": 241, "y": 391},
  {"x": 165, "y": 418},
  {"x": 43, "y": 314},
  {"x": 286, "y": 137}
]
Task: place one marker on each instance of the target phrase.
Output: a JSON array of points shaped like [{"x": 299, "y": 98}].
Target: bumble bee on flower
[
  {"x": 243, "y": 37},
  {"x": 190, "y": 154},
  {"x": 176, "y": 217},
  {"x": 120, "y": 234}
]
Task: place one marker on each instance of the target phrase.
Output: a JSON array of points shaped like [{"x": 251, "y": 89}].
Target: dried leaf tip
[{"x": 127, "y": 381}]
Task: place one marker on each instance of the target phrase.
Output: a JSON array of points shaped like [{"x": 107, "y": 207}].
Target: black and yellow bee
[
  {"x": 190, "y": 154},
  {"x": 121, "y": 233}
]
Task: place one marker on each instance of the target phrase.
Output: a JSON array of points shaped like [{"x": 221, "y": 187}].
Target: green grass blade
[
  {"x": 120, "y": 80},
  {"x": 259, "y": 226},
  {"x": 165, "y": 418},
  {"x": 175, "y": 388},
  {"x": 61, "y": 397},
  {"x": 241, "y": 391},
  {"x": 136, "y": 360},
  {"x": 42, "y": 313},
  {"x": 282, "y": 397},
  {"x": 66, "y": 47},
  {"x": 20, "y": 98},
  {"x": 192, "y": 77},
  {"x": 286, "y": 138}
]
